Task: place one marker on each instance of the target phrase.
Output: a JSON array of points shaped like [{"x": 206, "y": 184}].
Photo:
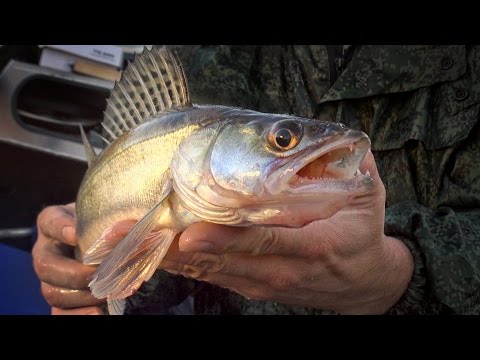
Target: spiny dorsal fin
[
  {"x": 90, "y": 153},
  {"x": 154, "y": 82}
]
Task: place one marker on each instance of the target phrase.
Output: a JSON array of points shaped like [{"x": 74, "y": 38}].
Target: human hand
[
  {"x": 64, "y": 280},
  {"x": 344, "y": 263}
]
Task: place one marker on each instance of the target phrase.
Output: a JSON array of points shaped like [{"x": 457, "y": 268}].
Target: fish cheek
[
  {"x": 189, "y": 162},
  {"x": 238, "y": 161}
]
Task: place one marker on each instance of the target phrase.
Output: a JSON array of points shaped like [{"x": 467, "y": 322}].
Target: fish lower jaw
[{"x": 298, "y": 181}]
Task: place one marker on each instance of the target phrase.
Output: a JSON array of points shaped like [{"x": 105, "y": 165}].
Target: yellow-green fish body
[{"x": 171, "y": 164}]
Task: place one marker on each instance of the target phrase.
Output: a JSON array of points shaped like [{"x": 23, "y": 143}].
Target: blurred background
[{"x": 46, "y": 92}]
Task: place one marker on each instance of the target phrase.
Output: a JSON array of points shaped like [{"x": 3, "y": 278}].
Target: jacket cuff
[{"x": 413, "y": 301}]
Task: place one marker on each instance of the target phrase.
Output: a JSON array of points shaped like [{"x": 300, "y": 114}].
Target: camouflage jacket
[{"x": 419, "y": 105}]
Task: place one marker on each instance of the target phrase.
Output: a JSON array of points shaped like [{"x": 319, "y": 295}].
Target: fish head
[{"x": 280, "y": 169}]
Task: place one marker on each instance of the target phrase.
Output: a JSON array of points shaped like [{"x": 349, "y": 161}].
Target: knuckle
[
  {"x": 200, "y": 265},
  {"x": 51, "y": 296},
  {"x": 218, "y": 265},
  {"x": 319, "y": 250},
  {"x": 43, "y": 215},
  {"x": 268, "y": 242},
  {"x": 37, "y": 247},
  {"x": 207, "y": 262},
  {"x": 78, "y": 281},
  {"x": 40, "y": 265},
  {"x": 53, "y": 218},
  {"x": 192, "y": 271},
  {"x": 172, "y": 267}
]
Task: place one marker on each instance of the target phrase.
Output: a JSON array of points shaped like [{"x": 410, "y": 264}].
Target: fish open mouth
[{"x": 335, "y": 162}]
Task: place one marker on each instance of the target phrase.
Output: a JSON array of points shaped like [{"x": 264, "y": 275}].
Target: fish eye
[{"x": 285, "y": 136}]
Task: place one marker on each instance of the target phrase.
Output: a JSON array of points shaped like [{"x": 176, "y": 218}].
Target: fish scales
[
  {"x": 170, "y": 164},
  {"x": 125, "y": 182}
]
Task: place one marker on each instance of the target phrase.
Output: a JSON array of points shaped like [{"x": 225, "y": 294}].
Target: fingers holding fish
[
  {"x": 368, "y": 166},
  {"x": 265, "y": 277},
  {"x": 64, "y": 280},
  {"x": 335, "y": 281},
  {"x": 53, "y": 267},
  {"x": 221, "y": 239},
  {"x": 195, "y": 265},
  {"x": 68, "y": 298},
  {"x": 57, "y": 223},
  {"x": 53, "y": 252},
  {"x": 275, "y": 272},
  {"x": 328, "y": 264},
  {"x": 88, "y": 310},
  {"x": 268, "y": 271}
]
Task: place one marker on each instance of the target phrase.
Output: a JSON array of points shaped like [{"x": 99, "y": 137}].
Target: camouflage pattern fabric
[{"x": 419, "y": 105}]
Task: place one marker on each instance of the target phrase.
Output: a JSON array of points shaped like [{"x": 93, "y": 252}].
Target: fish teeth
[{"x": 367, "y": 173}]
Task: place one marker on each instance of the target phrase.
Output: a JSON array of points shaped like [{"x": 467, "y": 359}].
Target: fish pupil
[{"x": 283, "y": 138}]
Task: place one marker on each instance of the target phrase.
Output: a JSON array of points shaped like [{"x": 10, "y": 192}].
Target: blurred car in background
[{"x": 42, "y": 159}]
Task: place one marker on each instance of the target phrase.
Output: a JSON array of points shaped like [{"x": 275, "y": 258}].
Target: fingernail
[{"x": 196, "y": 246}]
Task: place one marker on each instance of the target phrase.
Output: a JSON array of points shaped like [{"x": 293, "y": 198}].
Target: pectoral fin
[
  {"x": 116, "y": 307},
  {"x": 100, "y": 249},
  {"x": 133, "y": 259}
]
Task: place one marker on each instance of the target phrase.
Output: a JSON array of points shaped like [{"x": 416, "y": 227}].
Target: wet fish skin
[
  {"x": 124, "y": 180},
  {"x": 171, "y": 164}
]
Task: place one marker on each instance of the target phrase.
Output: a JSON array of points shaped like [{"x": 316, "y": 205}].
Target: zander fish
[{"x": 170, "y": 164}]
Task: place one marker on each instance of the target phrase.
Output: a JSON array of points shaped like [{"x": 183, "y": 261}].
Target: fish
[{"x": 169, "y": 163}]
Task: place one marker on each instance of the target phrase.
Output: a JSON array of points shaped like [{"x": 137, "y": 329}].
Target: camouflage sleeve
[
  {"x": 446, "y": 247},
  {"x": 444, "y": 241},
  {"x": 444, "y": 237}
]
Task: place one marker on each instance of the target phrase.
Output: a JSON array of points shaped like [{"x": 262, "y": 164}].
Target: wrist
[
  {"x": 414, "y": 299},
  {"x": 389, "y": 278},
  {"x": 398, "y": 273}
]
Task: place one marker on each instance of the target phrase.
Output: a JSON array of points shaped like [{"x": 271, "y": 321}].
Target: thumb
[{"x": 369, "y": 166}]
